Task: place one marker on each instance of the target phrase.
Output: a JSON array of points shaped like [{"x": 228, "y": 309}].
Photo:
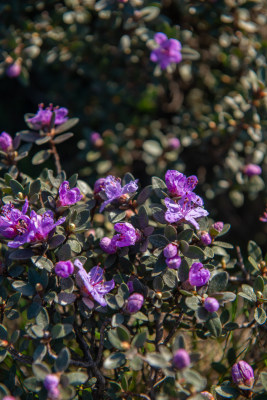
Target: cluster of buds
[
  {"x": 173, "y": 260},
  {"x": 51, "y": 383},
  {"x": 181, "y": 359}
]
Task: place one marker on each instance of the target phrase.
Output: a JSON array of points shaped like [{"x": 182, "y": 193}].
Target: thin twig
[
  {"x": 19, "y": 356},
  {"x": 56, "y": 156},
  {"x": 174, "y": 329},
  {"x": 138, "y": 395},
  {"x": 101, "y": 342},
  {"x": 241, "y": 264}
]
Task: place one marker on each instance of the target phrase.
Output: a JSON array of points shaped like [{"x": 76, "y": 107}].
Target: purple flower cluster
[
  {"x": 198, "y": 275},
  {"x": 13, "y": 70},
  {"x": 181, "y": 359},
  {"x": 6, "y": 142},
  {"x": 51, "y": 383},
  {"x": 243, "y": 374},
  {"x": 211, "y": 304},
  {"x": 92, "y": 285},
  {"x": 43, "y": 116},
  {"x": 167, "y": 52},
  {"x": 16, "y": 225},
  {"x": 251, "y": 170},
  {"x": 187, "y": 206},
  {"x": 67, "y": 196},
  {"x": 110, "y": 189},
  {"x": 205, "y": 238},
  {"x": 127, "y": 236},
  {"x": 173, "y": 260}
]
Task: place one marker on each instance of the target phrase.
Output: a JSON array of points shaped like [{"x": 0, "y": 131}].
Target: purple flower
[
  {"x": 243, "y": 374},
  {"x": 54, "y": 393},
  {"x": 43, "y": 116},
  {"x": 64, "y": 269},
  {"x": 174, "y": 143},
  {"x": 134, "y": 303},
  {"x": 183, "y": 211},
  {"x": 96, "y": 139},
  {"x": 130, "y": 286},
  {"x": 174, "y": 263},
  {"x": 51, "y": 381},
  {"x": 108, "y": 245},
  {"x": 205, "y": 238},
  {"x": 252, "y": 169},
  {"x": 264, "y": 216},
  {"x": 13, "y": 70},
  {"x": 37, "y": 230},
  {"x": 167, "y": 52},
  {"x": 6, "y": 142},
  {"x": 211, "y": 304},
  {"x": 13, "y": 222},
  {"x": 218, "y": 226},
  {"x": 127, "y": 234},
  {"x": 181, "y": 359},
  {"x": 9, "y": 398},
  {"x": 99, "y": 185},
  {"x": 198, "y": 275},
  {"x": 170, "y": 250},
  {"x": 92, "y": 285},
  {"x": 178, "y": 184},
  {"x": 113, "y": 190},
  {"x": 67, "y": 196}
]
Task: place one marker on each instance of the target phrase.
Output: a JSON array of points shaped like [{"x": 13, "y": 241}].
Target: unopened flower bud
[
  {"x": 39, "y": 287},
  {"x": 174, "y": 263},
  {"x": 125, "y": 345},
  {"x": 218, "y": 226},
  {"x": 251, "y": 170},
  {"x": 211, "y": 304},
  {"x": 205, "y": 238},
  {"x": 96, "y": 139},
  {"x": 99, "y": 185},
  {"x": 134, "y": 303},
  {"x": 54, "y": 393},
  {"x": 181, "y": 359},
  {"x": 64, "y": 269},
  {"x": 242, "y": 374},
  {"x": 159, "y": 295},
  {"x": 6, "y": 142},
  {"x": 9, "y": 398},
  {"x": 170, "y": 250},
  {"x": 174, "y": 143},
  {"x": 13, "y": 70},
  {"x": 51, "y": 381},
  {"x": 71, "y": 227},
  {"x": 259, "y": 295},
  {"x": 108, "y": 245},
  {"x": 20, "y": 195}
]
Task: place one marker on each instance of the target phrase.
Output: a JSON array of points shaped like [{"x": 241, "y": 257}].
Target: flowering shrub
[{"x": 120, "y": 275}]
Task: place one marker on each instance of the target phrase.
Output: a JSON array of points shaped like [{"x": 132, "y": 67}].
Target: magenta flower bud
[
  {"x": 108, "y": 245},
  {"x": 99, "y": 185},
  {"x": 174, "y": 143},
  {"x": 218, "y": 226},
  {"x": 170, "y": 250},
  {"x": 64, "y": 269},
  {"x": 13, "y": 70},
  {"x": 181, "y": 359},
  {"x": 130, "y": 286},
  {"x": 51, "y": 381},
  {"x": 54, "y": 393},
  {"x": 211, "y": 304},
  {"x": 252, "y": 169},
  {"x": 242, "y": 374},
  {"x": 174, "y": 263},
  {"x": 167, "y": 52},
  {"x": 9, "y": 398},
  {"x": 205, "y": 238},
  {"x": 134, "y": 303},
  {"x": 6, "y": 142},
  {"x": 198, "y": 275},
  {"x": 96, "y": 139}
]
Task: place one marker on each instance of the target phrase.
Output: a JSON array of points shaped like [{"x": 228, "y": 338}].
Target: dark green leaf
[
  {"x": 63, "y": 360},
  {"x": 42, "y": 262},
  {"x": 140, "y": 339},
  {"x": 41, "y": 157},
  {"x": 24, "y": 288},
  {"x": 194, "y": 252},
  {"x": 115, "y": 360},
  {"x": 77, "y": 378},
  {"x": 158, "y": 240},
  {"x": 40, "y": 370},
  {"x": 260, "y": 315},
  {"x": 61, "y": 330},
  {"x": 218, "y": 282}
]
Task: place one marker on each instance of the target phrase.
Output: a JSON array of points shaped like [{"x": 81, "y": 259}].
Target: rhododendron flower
[
  {"x": 67, "y": 196},
  {"x": 51, "y": 383},
  {"x": 13, "y": 222},
  {"x": 181, "y": 359},
  {"x": 108, "y": 245},
  {"x": 183, "y": 211},
  {"x": 174, "y": 263},
  {"x": 198, "y": 275},
  {"x": 178, "y": 184},
  {"x": 43, "y": 116},
  {"x": 252, "y": 169},
  {"x": 38, "y": 229},
  {"x": 127, "y": 236},
  {"x": 111, "y": 190},
  {"x": 211, "y": 304},
  {"x": 13, "y": 70},
  {"x": 167, "y": 52},
  {"x": 6, "y": 142},
  {"x": 134, "y": 303},
  {"x": 92, "y": 285},
  {"x": 242, "y": 373},
  {"x": 170, "y": 250},
  {"x": 64, "y": 268}
]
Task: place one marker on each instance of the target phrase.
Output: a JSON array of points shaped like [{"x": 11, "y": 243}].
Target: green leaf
[
  {"x": 192, "y": 302},
  {"x": 144, "y": 195},
  {"x": 143, "y": 217},
  {"x": 24, "y": 288},
  {"x": 170, "y": 278},
  {"x": 254, "y": 251},
  {"x": 41, "y": 157},
  {"x": 63, "y": 360},
  {"x": 139, "y": 339},
  {"x": 32, "y": 384},
  {"x": 170, "y": 233},
  {"x": 63, "y": 138},
  {"x": 227, "y": 391},
  {"x": 115, "y": 360},
  {"x": 3, "y": 332},
  {"x": 42, "y": 318},
  {"x": 42, "y": 263},
  {"x": 114, "y": 339},
  {"x": 156, "y": 360},
  {"x": 35, "y": 187},
  {"x": 260, "y": 315},
  {"x": 214, "y": 325},
  {"x": 153, "y": 148},
  {"x": 258, "y": 284},
  {"x": 158, "y": 240},
  {"x": 249, "y": 292},
  {"x": 123, "y": 333},
  {"x": 218, "y": 282},
  {"x": 16, "y": 186},
  {"x": 67, "y": 125},
  {"x": 60, "y": 330},
  {"x": 159, "y": 187},
  {"x": 194, "y": 378},
  {"x": 23, "y": 254},
  {"x": 77, "y": 378},
  {"x": 40, "y": 370},
  {"x": 116, "y": 216},
  {"x": 194, "y": 252},
  {"x": 263, "y": 377},
  {"x": 186, "y": 235}
]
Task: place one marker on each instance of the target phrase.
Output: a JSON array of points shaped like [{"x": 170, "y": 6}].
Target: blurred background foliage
[{"x": 93, "y": 58}]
